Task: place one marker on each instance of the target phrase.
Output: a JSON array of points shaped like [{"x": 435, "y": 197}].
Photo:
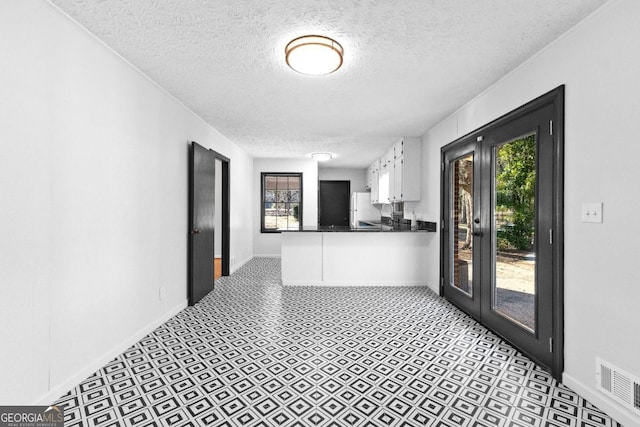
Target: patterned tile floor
[{"x": 257, "y": 354}]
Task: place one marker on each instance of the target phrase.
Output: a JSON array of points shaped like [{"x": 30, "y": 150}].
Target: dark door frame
[
  {"x": 555, "y": 98},
  {"x": 226, "y": 212},
  {"x": 226, "y": 215}
]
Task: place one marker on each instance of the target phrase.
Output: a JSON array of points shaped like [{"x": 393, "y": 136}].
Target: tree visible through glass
[
  {"x": 514, "y": 219},
  {"x": 461, "y": 211}
]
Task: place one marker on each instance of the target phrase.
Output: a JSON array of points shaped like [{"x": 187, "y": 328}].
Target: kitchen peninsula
[{"x": 334, "y": 256}]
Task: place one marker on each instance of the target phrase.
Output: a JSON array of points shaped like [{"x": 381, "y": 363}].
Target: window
[{"x": 281, "y": 202}]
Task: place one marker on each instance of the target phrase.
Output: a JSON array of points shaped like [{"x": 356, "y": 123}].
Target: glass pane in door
[
  {"x": 460, "y": 218},
  {"x": 514, "y": 219}
]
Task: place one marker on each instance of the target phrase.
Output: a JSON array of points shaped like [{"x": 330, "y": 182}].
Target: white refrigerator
[{"x": 362, "y": 212}]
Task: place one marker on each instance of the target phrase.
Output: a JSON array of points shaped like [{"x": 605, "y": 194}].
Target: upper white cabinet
[
  {"x": 384, "y": 180},
  {"x": 390, "y": 156},
  {"x": 406, "y": 177},
  {"x": 398, "y": 173},
  {"x": 373, "y": 181}
]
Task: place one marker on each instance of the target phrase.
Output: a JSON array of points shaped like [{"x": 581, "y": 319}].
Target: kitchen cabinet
[
  {"x": 374, "y": 181},
  {"x": 390, "y": 156},
  {"x": 406, "y": 166},
  {"x": 398, "y": 147},
  {"x": 398, "y": 170},
  {"x": 387, "y": 182},
  {"x": 373, "y": 173},
  {"x": 384, "y": 181},
  {"x": 399, "y": 173}
]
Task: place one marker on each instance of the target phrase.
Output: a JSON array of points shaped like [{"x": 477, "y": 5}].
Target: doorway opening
[
  {"x": 217, "y": 244},
  {"x": 501, "y": 240},
  {"x": 224, "y": 190}
]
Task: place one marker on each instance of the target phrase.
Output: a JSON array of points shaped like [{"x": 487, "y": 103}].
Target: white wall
[
  {"x": 93, "y": 202},
  {"x": 268, "y": 244},
  {"x": 241, "y": 204},
  {"x": 357, "y": 177},
  {"x": 599, "y": 62}
]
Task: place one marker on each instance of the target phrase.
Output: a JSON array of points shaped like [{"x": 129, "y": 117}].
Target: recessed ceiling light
[
  {"x": 322, "y": 157},
  {"x": 314, "y": 55}
]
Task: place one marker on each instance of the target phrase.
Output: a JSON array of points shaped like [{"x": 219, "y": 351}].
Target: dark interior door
[
  {"x": 201, "y": 222},
  {"x": 333, "y": 203}
]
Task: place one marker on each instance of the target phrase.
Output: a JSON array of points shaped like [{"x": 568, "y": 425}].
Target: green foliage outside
[{"x": 515, "y": 193}]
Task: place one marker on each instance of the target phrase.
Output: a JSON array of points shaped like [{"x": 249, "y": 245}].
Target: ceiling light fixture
[
  {"x": 314, "y": 55},
  {"x": 322, "y": 157}
]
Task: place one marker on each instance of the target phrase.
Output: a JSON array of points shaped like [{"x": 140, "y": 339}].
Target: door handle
[
  {"x": 195, "y": 231},
  {"x": 476, "y": 233}
]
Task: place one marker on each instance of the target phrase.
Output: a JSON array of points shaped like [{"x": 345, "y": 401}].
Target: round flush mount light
[
  {"x": 322, "y": 157},
  {"x": 314, "y": 55}
]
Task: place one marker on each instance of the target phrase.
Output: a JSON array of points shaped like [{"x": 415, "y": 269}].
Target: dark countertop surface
[{"x": 340, "y": 229}]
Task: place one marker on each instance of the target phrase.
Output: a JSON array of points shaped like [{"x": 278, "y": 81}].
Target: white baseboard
[
  {"x": 59, "y": 389},
  {"x": 435, "y": 289},
  {"x": 239, "y": 264},
  {"x": 344, "y": 284},
  {"x": 608, "y": 406}
]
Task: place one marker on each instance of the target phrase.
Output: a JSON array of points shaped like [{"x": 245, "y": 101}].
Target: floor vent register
[{"x": 618, "y": 385}]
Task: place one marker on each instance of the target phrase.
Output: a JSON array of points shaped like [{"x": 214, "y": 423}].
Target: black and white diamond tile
[{"x": 253, "y": 353}]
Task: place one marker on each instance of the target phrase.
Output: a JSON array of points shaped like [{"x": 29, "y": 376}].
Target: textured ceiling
[{"x": 408, "y": 63}]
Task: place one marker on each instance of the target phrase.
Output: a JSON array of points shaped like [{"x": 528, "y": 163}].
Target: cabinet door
[
  {"x": 411, "y": 173},
  {"x": 398, "y": 149},
  {"x": 389, "y": 157},
  {"x": 384, "y": 181},
  {"x": 392, "y": 182},
  {"x": 398, "y": 169},
  {"x": 375, "y": 185}
]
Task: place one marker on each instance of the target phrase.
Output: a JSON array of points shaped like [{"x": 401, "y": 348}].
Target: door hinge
[
  {"x": 442, "y": 282},
  {"x": 550, "y": 127},
  {"x": 442, "y": 224},
  {"x": 551, "y": 236},
  {"x": 442, "y": 166},
  {"x": 551, "y": 345}
]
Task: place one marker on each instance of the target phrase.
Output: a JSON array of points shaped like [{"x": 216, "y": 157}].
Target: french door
[{"x": 502, "y": 228}]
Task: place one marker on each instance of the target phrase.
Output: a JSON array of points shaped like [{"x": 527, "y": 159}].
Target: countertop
[{"x": 343, "y": 229}]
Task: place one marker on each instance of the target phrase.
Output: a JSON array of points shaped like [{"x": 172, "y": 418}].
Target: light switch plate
[{"x": 592, "y": 212}]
